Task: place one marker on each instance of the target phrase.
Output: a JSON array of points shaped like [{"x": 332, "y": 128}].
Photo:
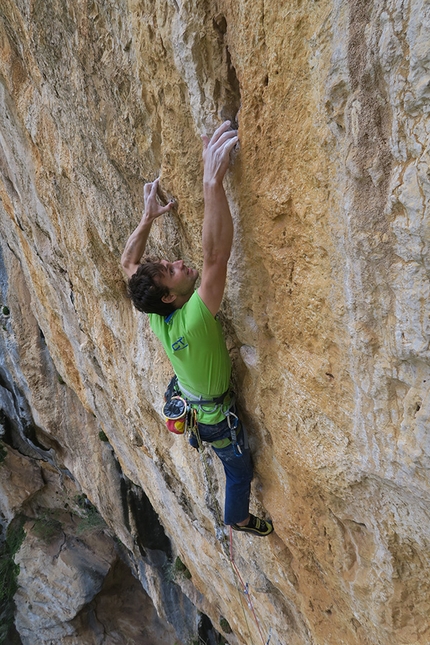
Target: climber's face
[{"x": 180, "y": 281}]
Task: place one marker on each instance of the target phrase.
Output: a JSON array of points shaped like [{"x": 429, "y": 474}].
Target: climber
[{"x": 184, "y": 319}]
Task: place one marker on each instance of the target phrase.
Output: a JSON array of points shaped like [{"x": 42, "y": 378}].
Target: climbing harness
[
  {"x": 206, "y": 405},
  {"x": 180, "y": 413}
]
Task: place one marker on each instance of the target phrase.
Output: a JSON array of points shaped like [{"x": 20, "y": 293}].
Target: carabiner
[{"x": 237, "y": 449}]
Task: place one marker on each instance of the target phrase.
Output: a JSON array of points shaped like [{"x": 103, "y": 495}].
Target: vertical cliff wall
[{"x": 326, "y": 308}]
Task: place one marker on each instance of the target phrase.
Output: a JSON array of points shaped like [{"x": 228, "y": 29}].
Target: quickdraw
[{"x": 233, "y": 423}]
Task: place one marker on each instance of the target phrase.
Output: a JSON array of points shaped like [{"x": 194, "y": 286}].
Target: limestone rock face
[
  {"x": 68, "y": 580},
  {"x": 325, "y": 312},
  {"x": 20, "y": 478}
]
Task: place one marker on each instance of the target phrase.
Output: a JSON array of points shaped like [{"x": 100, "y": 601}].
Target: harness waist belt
[{"x": 192, "y": 398}]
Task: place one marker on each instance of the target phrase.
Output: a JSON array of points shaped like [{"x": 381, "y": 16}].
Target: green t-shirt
[{"x": 194, "y": 342}]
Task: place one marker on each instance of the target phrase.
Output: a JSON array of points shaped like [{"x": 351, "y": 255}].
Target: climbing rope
[
  {"x": 228, "y": 547},
  {"x": 246, "y": 591}
]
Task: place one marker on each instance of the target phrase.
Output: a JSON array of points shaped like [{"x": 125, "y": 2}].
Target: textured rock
[
  {"x": 68, "y": 580},
  {"x": 326, "y": 309},
  {"x": 20, "y": 478},
  {"x": 72, "y": 585},
  {"x": 52, "y": 490},
  {"x": 82, "y": 593},
  {"x": 122, "y": 613}
]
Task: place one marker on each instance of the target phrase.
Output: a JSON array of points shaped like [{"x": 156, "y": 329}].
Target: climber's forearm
[
  {"x": 135, "y": 246},
  {"x": 217, "y": 235},
  {"x": 136, "y": 243}
]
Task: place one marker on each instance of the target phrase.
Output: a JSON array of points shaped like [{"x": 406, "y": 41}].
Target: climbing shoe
[{"x": 255, "y": 526}]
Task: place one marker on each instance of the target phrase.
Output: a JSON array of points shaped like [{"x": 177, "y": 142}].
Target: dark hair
[{"x": 145, "y": 290}]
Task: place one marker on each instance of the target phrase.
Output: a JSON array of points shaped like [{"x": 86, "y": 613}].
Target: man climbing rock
[{"x": 184, "y": 319}]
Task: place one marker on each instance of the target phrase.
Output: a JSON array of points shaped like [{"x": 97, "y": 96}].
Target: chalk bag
[{"x": 175, "y": 414}]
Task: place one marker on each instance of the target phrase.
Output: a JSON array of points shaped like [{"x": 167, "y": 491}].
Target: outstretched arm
[
  {"x": 136, "y": 243},
  {"x": 217, "y": 236}
]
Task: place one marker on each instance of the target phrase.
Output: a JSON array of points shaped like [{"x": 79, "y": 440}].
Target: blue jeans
[{"x": 238, "y": 470}]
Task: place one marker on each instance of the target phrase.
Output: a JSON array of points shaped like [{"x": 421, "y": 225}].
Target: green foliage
[
  {"x": 225, "y": 625},
  {"x": 15, "y": 535},
  {"x": 181, "y": 569},
  {"x": 89, "y": 517},
  {"x": 92, "y": 522},
  {"x": 102, "y": 436},
  {"x": 82, "y": 500},
  {"x": 61, "y": 380},
  {"x": 3, "y": 452},
  {"x": 4, "y": 628},
  {"x": 5, "y": 311},
  {"x": 47, "y": 528},
  {"x": 6, "y": 625},
  {"x": 176, "y": 570}
]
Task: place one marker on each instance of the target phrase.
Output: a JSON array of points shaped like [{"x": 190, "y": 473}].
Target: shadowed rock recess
[{"x": 109, "y": 528}]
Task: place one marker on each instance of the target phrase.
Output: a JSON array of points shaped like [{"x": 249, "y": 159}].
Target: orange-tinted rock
[{"x": 326, "y": 307}]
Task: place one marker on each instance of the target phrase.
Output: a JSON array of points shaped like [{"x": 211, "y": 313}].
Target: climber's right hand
[
  {"x": 216, "y": 153},
  {"x": 153, "y": 208}
]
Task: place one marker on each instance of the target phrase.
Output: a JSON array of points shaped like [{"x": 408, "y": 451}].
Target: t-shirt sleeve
[{"x": 196, "y": 316}]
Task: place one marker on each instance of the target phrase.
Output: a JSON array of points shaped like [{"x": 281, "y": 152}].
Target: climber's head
[{"x": 160, "y": 286}]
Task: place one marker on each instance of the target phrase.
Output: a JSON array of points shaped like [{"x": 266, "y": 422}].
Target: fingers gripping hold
[
  {"x": 228, "y": 140},
  {"x": 153, "y": 208},
  {"x": 154, "y": 187},
  {"x": 222, "y": 129},
  {"x": 216, "y": 152}
]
